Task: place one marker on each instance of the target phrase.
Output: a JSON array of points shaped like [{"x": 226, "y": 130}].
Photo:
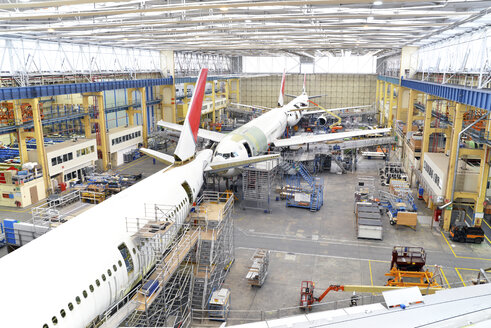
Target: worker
[{"x": 354, "y": 299}]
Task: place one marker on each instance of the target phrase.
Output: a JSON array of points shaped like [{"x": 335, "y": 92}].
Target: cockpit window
[{"x": 234, "y": 154}]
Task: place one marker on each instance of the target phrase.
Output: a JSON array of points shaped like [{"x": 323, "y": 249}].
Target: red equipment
[{"x": 307, "y": 294}]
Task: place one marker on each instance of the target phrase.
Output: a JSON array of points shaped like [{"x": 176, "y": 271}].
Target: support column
[
  {"x": 227, "y": 90},
  {"x": 386, "y": 90},
  {"x": 377, "y": 96},
  {"x": 40, "y": 150},
  {"x": 413, "y": 94},
  {"x": 101, "y": 120},
  {"x": 86, "y": 119},
  {"x": 457, "y": 127},
  {"x": 391, "y": 104},
  {"x": 213, "y": 99},
  {"x": 236, "y": 90},
  {"x": 400, "y": 92},
  {"x": 426, "y": 132},
  {"x": 481, "y": 192},
  {"x": 168, "y": 103},
  {"x": 143, "y": 94},
  {"x": 130, "y": 111},
  {"x": 21, "y": 137}
]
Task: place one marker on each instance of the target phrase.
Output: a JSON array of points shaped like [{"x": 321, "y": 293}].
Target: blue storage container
[
  {"x": 150, "y": 287},
  {"x": 8, "y": 225}
]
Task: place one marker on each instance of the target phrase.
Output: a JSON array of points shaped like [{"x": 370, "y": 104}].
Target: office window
[
  {"x": 70, "y": 156},
  {"x": 59, "y": 159},
  {"x": 53, "y": 161},
  {"x": 65, "y": 157},
  {"x": 79, "y": 153},
  {"x": 91, "y": 149}
]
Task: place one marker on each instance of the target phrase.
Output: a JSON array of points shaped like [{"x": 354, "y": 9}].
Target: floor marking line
[
  {"x": 460, "y": 276},
  {"x": 370, "y": 267},
  {"x": 445, "y": 277},
  {"x": 462, "y": 257},
  {"x": 134, "y": 163},
  {"x": 448, "y": 244},
  {"x": 310, "y": 254},
  {"x": 468, "y": 269}
]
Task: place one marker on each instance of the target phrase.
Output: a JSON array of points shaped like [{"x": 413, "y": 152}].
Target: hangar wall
[{"x": 342, "y": 89}]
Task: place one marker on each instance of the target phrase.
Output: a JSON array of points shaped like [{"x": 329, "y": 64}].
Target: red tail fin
[
  {"x": 282, "y": 90},
  {"x": 186, "y": 147},
  {"x": 305, "y": 83}
]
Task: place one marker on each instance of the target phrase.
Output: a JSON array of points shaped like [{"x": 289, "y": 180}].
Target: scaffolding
[
  {"x": 212, "y": 215},
  {"x": 164, "y": 296},
  {"x": 257, "y": 185}
]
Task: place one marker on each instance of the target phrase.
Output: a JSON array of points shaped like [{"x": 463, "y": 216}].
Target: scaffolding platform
[
  {"x": 166, "y": 268},
  {"x": 257, "y": 185},
  {"x": 212, "y": 261}
]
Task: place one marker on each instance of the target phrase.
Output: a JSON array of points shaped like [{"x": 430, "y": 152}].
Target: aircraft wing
[
  {"x": 231, "y": 163},
  {"x": 320, "y": 111},
  {"x": 202, "y": 133},
  {"x": 161, "y": 157},
  {"x": 252, "y": 107},
  {"x": 300, "y": 140}
]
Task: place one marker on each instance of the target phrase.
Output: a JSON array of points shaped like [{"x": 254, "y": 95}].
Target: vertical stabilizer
[
  {"x": 282, "y": 90},
  {"x": 304, "y": 90},
  {"x": 186, "y": 147}
]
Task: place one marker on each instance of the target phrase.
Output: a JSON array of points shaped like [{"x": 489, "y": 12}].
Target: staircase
[
  {"x": 304, "y": 173},
  {"x": 287, "y": 167},
  {"x": 314, "y": 190},
  {"x": 340, "y": 164}
]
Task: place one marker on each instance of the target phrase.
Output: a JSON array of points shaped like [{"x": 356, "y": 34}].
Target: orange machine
[{"x": 307, "y": 294}]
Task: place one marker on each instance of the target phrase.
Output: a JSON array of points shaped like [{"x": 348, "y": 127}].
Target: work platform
[
  {"x": 166, "y": 268},
  {"x": 190, "y": 260}
]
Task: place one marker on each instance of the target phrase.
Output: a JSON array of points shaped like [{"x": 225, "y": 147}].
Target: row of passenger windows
[
  {"x": 127, "y": 137},
  {"x": 78, "y": 300}
]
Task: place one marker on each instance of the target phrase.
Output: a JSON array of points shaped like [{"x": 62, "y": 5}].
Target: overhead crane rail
[{"x": 479, "y": 98}]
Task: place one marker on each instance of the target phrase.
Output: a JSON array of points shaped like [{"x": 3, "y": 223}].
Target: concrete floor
[{"x": 322, "y": 247}]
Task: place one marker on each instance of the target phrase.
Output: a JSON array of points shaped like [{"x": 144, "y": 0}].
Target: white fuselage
[
  {"x": 42, "y": 278},
  {"x": 255, "y": 137}
]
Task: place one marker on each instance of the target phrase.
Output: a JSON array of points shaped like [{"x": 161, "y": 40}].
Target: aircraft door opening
[
  {"x": 188, "y": 191},
  {"x": 248, "y": 148}
]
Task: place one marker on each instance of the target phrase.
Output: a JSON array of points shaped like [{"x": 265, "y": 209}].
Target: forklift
[{"x": 463, "y": 234}]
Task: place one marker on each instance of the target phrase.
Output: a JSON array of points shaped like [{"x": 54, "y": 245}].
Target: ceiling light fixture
[
  {"x": 369, "y": 18},
  {"x": 223, "y": 8},
  {"x": 377, "y": 3},
  {"x": 248, "y": 21},
  {"x": 51, "y": 30}
]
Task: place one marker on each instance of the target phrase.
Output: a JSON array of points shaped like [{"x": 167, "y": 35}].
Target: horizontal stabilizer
[
  {"x": 318, "y": 96},
  {"x": 231, "y": 163},
  {"x": 202, "y": 133},
  {"x": 300, "y": 140},
  {"x": 161, "y": 157}
]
